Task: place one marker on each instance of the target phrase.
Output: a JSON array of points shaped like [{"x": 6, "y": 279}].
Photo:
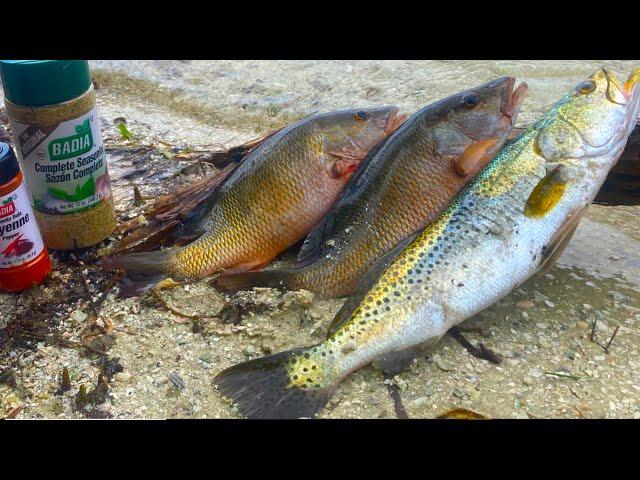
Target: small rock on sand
[
  {"x": 78, "y": 316},
  {"x": 525, "y": 304},
  {"x": 123, "y": 377}
]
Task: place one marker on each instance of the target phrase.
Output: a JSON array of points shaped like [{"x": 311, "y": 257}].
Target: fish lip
[{"x": 512, "y": 99}]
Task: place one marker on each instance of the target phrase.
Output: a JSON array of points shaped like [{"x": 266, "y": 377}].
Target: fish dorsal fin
[
  {"x": 366, "y": 283},
  {"x": 314, "y": 245},
  {"x": 560, "y": 241}
]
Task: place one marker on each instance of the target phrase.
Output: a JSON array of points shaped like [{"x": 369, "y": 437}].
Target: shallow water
[{"x": 204, "y": 103}]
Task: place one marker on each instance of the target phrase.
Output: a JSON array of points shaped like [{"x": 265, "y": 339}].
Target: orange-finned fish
[
  {"x": 279, "y": 192},
  {"x": 402, "y": 185}
]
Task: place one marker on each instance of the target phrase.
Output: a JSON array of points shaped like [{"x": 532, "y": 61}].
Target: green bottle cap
[{"x": 35, "y": 83}]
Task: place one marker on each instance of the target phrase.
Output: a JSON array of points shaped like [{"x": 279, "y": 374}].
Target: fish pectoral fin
[
  {"x": 475, "y": 156},
  {"x": 547, "y": 193},
  {"x": 560, "y": 240},
  {"x": 344, "y": 167}
]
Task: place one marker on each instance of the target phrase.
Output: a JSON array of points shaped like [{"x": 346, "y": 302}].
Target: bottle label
[
  {"x": 20, "y": 239},
  {"x": 65, "y": 164}
]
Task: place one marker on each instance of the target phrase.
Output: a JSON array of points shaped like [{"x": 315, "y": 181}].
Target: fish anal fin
[
  {"x": 560, "y": 240},
  {"x": 393, "y": 363},
  {"x": 252, "y": 266},
  {"x": 312, "y": 246}
]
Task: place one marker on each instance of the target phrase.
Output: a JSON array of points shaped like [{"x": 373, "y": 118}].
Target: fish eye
[
  {"x": 587, "y": 87},
  {"x": 361, "y": 116},
  {"x": 470, "y": 100}
]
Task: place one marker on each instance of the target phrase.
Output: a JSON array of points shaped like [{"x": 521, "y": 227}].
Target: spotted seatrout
[
  {"x": 510, "y": 222},
  {"x": 402, "y": 185},
  {"x": 279, "y": 192}
]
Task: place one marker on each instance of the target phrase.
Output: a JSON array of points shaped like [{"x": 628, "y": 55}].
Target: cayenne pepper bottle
[{"x": 24, "y": 260}]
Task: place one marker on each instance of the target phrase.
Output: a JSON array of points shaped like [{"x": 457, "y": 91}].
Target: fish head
[
  {"x": 469, "y": 128},
  {"x": 592, "y": 122},
  {"x": 489, "y": 110},
  {"x": 350, "y": 134}
]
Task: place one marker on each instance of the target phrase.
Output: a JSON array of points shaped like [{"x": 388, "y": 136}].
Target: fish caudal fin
[
  {"x": 143, "y": 270},
  {"x": 234, "y": 282},
  {"x": 285, "y": 385}
]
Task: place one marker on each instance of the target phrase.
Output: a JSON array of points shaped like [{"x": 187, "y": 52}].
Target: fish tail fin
[
  {"x": 143, "y": 270},
  {"x": 292, "y": 384},
  {"x": 234, "y": 282}
]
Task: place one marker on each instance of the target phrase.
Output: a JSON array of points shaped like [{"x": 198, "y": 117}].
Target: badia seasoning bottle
[
  {"x": 24, "y": 260},
  {"x": 51, "y": 106}
]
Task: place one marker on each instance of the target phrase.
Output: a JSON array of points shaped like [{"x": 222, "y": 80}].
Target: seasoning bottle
[
  {"x": 51, "y": 106},
  {"x": 24, "y": 260}
]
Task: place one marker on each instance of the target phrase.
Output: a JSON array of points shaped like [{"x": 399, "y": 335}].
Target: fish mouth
[
  {"x": 394, "y": 120},
  {"x": 511, "y": 99}
]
